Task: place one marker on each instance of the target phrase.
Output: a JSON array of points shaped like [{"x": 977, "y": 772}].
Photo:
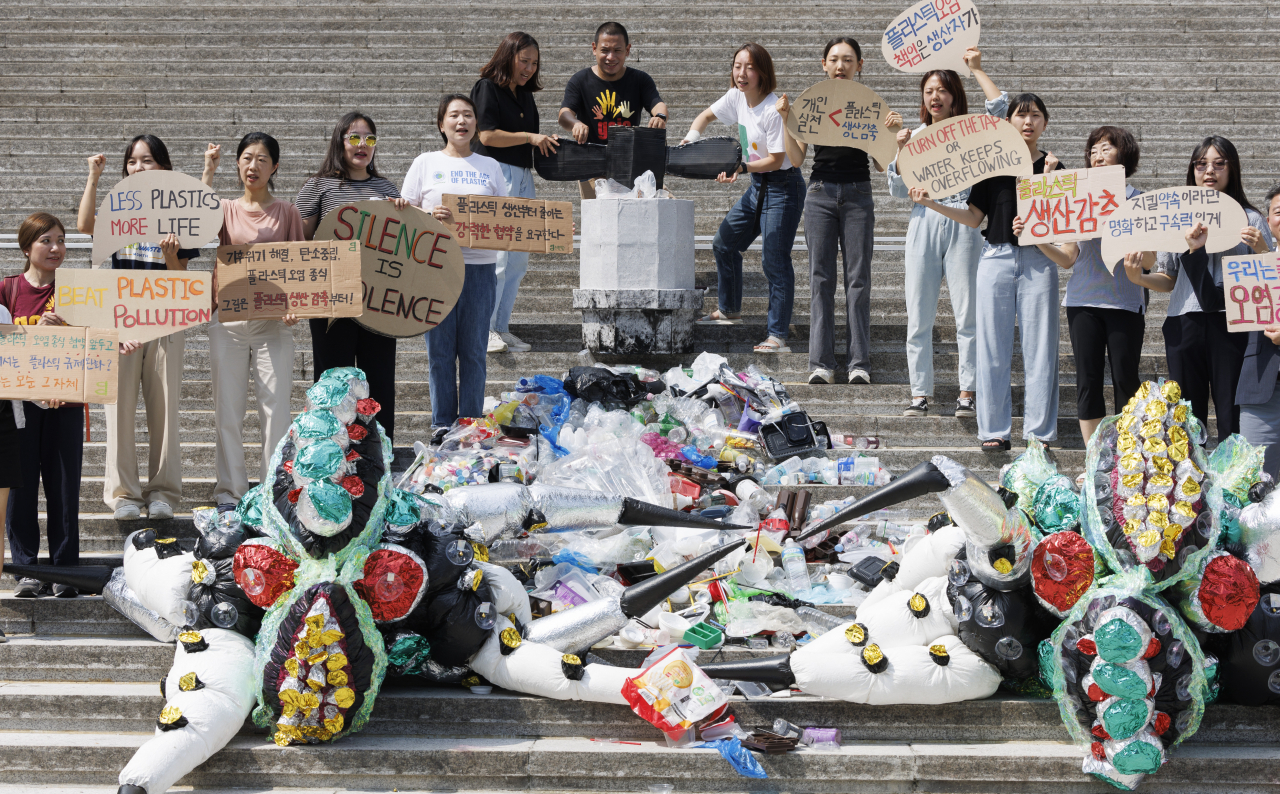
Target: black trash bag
[
  {"x": 445, "y": 551},
  {"x": 448, "y": 621},
  {"x": 409, "y": 662},
  {"x": 597, "y": 384},
  {"x": 1250, "y": 657},
  {"x": 705, "y": 158},
  {"x": 995, "y": 615},
  {"x": 224, "y": 590},
  {"x": 572, "y": 162}
]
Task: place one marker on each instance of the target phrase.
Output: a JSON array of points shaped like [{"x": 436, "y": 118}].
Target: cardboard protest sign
[
  {"x": 932, "y": 34},
  {"x": 1160, "y": 220},
  {"x": 411, "y": 266},
  {"x": 499, "y": 223},
  {"x": 949, "y": 156},
  {"x": 843, "y": 113},
  {"x": 150, "y": 205},
  {"x": 1251, "y": 290},
  {"x": 140, "y": 304},
  {"x": 1066, "y": 206},
  {"x": 59, "y": 362},
  {"x": 266, "y": 281}
]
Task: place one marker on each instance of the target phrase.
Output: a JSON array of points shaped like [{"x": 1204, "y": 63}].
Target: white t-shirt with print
[
  {"x": 760, "y": 128},
  {"x": 435, "y": 174}
]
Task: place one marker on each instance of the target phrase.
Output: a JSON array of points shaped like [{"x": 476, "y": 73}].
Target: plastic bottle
[
  {"x": 797, "y": 571},
  {"x": 819, "y": 622},
  {"x": 751, "y": 494}
]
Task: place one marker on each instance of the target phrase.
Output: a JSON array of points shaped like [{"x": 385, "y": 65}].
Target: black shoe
[
  {"x": 919, "y": 407},
  {"x": 27, "y": 588},
  {"x": 46, "y": 590},
  {"x": 3, "y": 639},
  {"x": 966, "y": 407},
  {"x": 65, "y": 591}
]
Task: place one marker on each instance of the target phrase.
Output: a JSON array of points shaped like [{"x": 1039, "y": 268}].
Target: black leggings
[
  {"x": 349, "y": 344},
  {"x": 1203, "y": 356},
  {"x": 51, "y": 449},
  {"x": 1105, "y": 333}
]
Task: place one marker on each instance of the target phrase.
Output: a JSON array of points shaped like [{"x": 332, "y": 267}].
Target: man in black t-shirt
[{"x": 609, "y": 94}]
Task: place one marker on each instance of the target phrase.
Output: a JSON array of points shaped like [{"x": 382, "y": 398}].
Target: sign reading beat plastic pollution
[
  {"x": 499, "y": 223},
  {"x": 1067, "y": 206},
  {"x": 266, "y": 281},
  {"x": 1251, "y": 290},
  {"x": 949, "y": 156},
  {"x": 59, "y": 362},
  {"x": 932, "y": 34},
  {"x": 140, "y": 304},
  {"x": 1160, "y": 220},
  {"x": 844, "y": 113},
  {"x": 411, "y": 266},
  {"x": 149, "y": 206}
]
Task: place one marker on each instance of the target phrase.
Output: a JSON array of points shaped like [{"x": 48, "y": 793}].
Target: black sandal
[{"x": 996, "y": 445}]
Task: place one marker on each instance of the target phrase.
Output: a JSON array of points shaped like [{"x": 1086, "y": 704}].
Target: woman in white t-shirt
[
  {"x": 457, "y": 346},
  {"x": 771, "y": 207}
]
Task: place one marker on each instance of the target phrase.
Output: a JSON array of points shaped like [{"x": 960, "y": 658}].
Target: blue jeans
[
  {"x": 1017, "y": 283},
  {"x": 770, "y": 209},
  {"x": 512, "y": 265},
  {"x": 457, "y": 348}
]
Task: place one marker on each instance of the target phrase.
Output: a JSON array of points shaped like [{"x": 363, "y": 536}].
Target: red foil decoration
[
  {"x": 354, "y": 485},
  {"x": 1153, "y": 648},
  {"x": 1099, "y": 752},
  {"x": 294, "y": 494},
  {"x": 1228, "y": 592},
  {"x": 352, "y": 455},
  {"x": 357, "y": 432},
  {"x": 1096, "y": 694},
  {"x": 405, "y": 568},
  {"x": 1087, "y": 646},
  {"x": 277, "y": 568},
  {"x": 1076, "y": 552},
  {"x": 1161, "y": 723},
  {"x": 287, "y": 466},
  {"x": 1100, "y": 732},
  {"x": 367, "y": 407}
]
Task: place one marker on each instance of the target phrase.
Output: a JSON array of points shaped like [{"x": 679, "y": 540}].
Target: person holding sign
[
  {"x": 261, "y": 349},
  {"x": 348, "y": 174},
  {"x": 1202, "y": 355},
  {"x": 938, "y": 245},
  {"x": 1256, "y": 393},
  {"x": 457, "y": 346},
  {"x": 507, "y": 118},
  {"x": 839, "y": 213},
  {"x": 156, "y": 371},
  {"x": 1014, "y": 283},
  {"x": 771, "y": 206}
]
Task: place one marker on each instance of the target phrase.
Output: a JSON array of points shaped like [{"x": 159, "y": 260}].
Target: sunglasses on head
[{"x": 356, "y": 140}]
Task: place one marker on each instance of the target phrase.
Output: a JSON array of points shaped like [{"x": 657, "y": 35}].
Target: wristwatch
[{"x": 662, "y": 116}]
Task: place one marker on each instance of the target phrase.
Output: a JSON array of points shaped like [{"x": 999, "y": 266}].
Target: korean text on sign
[
  {"x": 1251, "y": 289},
  {"x": 49, "y": 362}
]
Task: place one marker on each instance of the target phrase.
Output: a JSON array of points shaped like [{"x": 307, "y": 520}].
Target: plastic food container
[{"x": 481, "y": 690}]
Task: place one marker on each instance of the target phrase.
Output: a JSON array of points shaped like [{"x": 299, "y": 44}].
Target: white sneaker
[
  {"x": 822, "y": 375},
  {"x": 859, "y": 375},
  {"x": 496, "y": 345},
  {"x": 128, "y": 512},
  {"x": 514, "y": 343},
  {"x": 159, "y": 511}
]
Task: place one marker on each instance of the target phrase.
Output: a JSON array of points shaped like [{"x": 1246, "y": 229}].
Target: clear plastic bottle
[
  {"x": 796, "y": 568},
  {"x": 751, "y": 494},
  {"x": 819, "y": 622}
]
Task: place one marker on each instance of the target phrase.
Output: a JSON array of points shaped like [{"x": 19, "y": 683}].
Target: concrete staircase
[{"x": 77, "y": 691}]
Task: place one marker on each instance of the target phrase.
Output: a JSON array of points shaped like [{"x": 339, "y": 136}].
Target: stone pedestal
[
  {"x": 638, "y": 321},
  {"x": 636, "y": 276}
]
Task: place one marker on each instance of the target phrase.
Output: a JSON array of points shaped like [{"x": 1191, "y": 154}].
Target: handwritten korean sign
[
  {"x": 494, "y": 223},
  {"x": 1160, "y": 220},
  {"x": 266, "y": 281},
  {"x": 141, "y": 304},
  {"x": 949, "y": 156},
  {"x": 844, "y": 113},
  {"x": 150, "y": 205},
  {"x": 59, "y": 362},
  {"x": 411, "y": 267},
  {"x": 1068, "y": 206},
  {"x": 932, "y": 34},
  {"x": 1251, "y": 289}
]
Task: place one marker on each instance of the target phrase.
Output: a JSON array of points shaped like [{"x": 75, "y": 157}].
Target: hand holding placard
[
  {"x": 59, "y": 362},
  {"x": 843, "y": 113},
  {"x": 932, "y": 34},
  {"x": 266, "y": 281},
  {"x": 1251, "y": 291},
  {"x": 140, "y": 304},
  {"x": 149, "y": 206},
  {"x": 949, "y": 156},
  {"x": 1160, "y": 220},
  {"x": 1068, "y": 206}
]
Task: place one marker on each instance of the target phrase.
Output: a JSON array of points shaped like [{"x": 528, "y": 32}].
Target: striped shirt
[{"x": 321, "y": 195}]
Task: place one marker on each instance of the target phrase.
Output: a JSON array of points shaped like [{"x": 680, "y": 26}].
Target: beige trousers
[
  {"x": 155, "y": 371},
  {"x": 262, "y": 349}
]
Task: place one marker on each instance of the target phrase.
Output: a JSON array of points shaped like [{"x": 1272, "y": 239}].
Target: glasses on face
[
  {"x": 1205, "y": 165},
  {"x": 367, "y": 140},
  {"x": 1101, "y": 151}
]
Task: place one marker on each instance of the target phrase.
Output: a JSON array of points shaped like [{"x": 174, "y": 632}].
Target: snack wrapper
[{"x": 673, "y": 693}]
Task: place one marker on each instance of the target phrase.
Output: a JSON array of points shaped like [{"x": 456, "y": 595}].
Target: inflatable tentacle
[{"x": 923, "y": 479}]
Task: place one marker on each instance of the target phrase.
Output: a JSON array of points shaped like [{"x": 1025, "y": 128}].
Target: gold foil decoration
[
  {"x": 317, "y": 657},
  {"x": 1132, "y": 463},
  {"x": 1144, "y": 390},
  {"x": 1179, "y": 451},
  {"x": 302, "y": 649},
  {"x": 337, "y": 678},
  {"x": 872, "y": 654},
  {"x": 294, "y": 701},
  {"x": 1190, "y": 487},
  {"x": 1160, "y": 520},
  {"x": 1171, "y": 391},
  {"x": 1157, "y": 409},
  {"x": 1155, "y": 446},
  {"x": 344, "y": 697},
  {"x": 336, "y": 661},
  {"x": 1131, "y": 526},
  {"x": 1126, "y": 423},
  {"x": 334, "y": 724},
  {"x": 1149, "y": 538},
  {"x": 917, "y": 602},
  {"x": 475, "y": 579},
  {"x": 1158, "y": 502},
  {"x": 1151, "y": 427},
  {"x": 1002, "y": 566},
  {"x": 1169, "y": 547},
  {"x": 1126, "y": 442},
  {"x": 198, "y": 571},
  {"x": 1161, "y": 464},
  {"x": 190, "y": 636},
  {"x": 1177, "y": 434},
  {"x": 1133, "y": 481},
  {"x": 938, "y": 650},
  {"x": 1180, "y": 414},
  {"x": 1183, "y": 509},
  {"x": 170, "y": 714},
  {"x": 480, "y": 551},
  {"x": 569, "y": 658},
  {"x": 1160, "y": 482},
  {"x": 856, "y": 634},
  {"x": 291, "y": 664},
  {"x": 286, "y": 733},
  {"x": 189, "y": 683}
]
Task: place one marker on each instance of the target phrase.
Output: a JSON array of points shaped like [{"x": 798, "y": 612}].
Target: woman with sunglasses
[
  {"x": 348, "y": 174},
  {"x": 1202, "y": 356}
]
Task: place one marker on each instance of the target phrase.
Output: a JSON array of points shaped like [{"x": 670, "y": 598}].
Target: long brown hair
[
  {"x": 36, "y": 224},
  {"x": 763, "y": 62},
  {"x": 951, "y": 82},
  {"x": 335, "y": 160},
  {"x": 501, "y": 68}
]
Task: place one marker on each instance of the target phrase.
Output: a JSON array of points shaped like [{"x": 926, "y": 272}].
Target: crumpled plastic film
[
  {"x": 325, "y": 508},
  {"x": 1056, "y": 505},
  {"x": 623, "y": 466},
  {"x": 120, "y": 598},
  {"x": 311, "y": 426},
  {"x": 321, "y": 460},
  {"x": 739, "y": 757},
  {"x": 1027, "y": 473}
]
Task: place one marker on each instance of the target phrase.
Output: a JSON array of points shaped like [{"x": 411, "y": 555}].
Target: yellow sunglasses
[{"x": 356, "y": 140}]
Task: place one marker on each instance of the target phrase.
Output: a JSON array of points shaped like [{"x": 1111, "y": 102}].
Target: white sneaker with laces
[
  {"x": 496, "y": 345},
  {"x": 859, "y": 375},
  {"x": 128, "y": 512},
  {"x": 514, "y": 343},
  {"x": 822, "y": 375},
  {"x": 159, "y": 511}
]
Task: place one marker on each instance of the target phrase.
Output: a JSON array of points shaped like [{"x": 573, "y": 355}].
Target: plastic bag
[
  {"x": 647, "y": 185},
  {"x": 739, "y": 757},
  {"x": 610, "y": 189},
  {"x": 673, "y": 693}
]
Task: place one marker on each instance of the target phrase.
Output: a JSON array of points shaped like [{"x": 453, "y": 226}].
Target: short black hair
[
  {"x": 857, "y": 51},
  {"x": 612, "y": 29},
  {"x": 1125, "y": 144},
  {"x": 1021, "y": 103},
  {"x": 159, "y": 152},
  {"x": 445, "y": 102},
  {"x": 273, "y": 151},
  {"x": 1271, "y": 194}
]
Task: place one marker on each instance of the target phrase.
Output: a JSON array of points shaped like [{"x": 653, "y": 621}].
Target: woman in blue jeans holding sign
[{"x": 770, "y": 208}]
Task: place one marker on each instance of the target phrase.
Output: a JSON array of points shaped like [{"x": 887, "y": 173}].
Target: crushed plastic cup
[
  {"x": 481, "y": 690},
  {"x": 758, "y": 644},
  {"x": 661, "y": 788},
  {"x": 753, "y": 690}
]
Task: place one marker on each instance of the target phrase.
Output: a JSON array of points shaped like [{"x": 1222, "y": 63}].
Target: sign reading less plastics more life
[
  {"x": 1251, "y": 291},
  {"x": 149, "y": 206},
  {"x": 843, "y": 113},
  {"x": 411, "y": 266},
  {"x": 1160, "y": 220},
  {"x": 501, "y": 223},
  {"x": 1067, "y": 206},
  {"x": 59, "y": 362},
  {"x": 140, "y": 304},
  {"x": 266, "y": 281},
  {"x": 949, "y": 156},
  {"x": 932, "y": 34}
]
